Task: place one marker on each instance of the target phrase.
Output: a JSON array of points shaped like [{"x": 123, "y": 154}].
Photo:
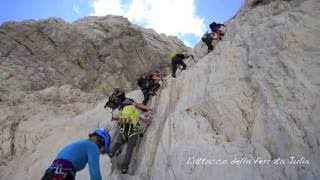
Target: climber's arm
[
  {"x": 157, "y": 78},
  {"x": 93, "y": 162},
  {"x": 142, "y": 107}
]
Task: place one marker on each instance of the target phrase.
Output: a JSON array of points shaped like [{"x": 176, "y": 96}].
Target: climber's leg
[
  {"x": 132, "y": 141},
  {"x": 119, "y": 142},
  {"x": 146, "y": 96},
  {"x": 184, "y": 66},
  {"x": 174, "y": 68}
]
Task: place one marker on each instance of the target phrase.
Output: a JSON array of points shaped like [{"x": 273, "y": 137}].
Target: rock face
[
  {"x": 51, "y": 69},
  {"x": 93, "y": 54},
  {"x": 248, "y": 110},
  {"x": 255, "y": 97}
]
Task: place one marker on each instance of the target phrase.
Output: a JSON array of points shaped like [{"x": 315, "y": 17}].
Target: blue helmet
[{"x": 106, "y": 137}]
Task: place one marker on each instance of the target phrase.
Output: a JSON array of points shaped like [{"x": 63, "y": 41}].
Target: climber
[
  {"x": 149, "y": 84},
  {"x": 75, "y": 156},
  {"x": 216, "y": 30},
  {"x": 118, "y": 100},
  {"x": 207, "y": 38},
  {"x": 128, "y": 123},
  {"x": 177, "y": 59}
]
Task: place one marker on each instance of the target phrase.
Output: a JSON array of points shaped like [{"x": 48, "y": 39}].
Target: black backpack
[
  {"x": 140, "y": 81},
  {"x": 116, "y": 98},
  {"x": 143, "y": 82},
  {"x": 214, "y": 26}
]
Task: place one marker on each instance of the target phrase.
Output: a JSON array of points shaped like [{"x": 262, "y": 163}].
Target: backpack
[
  {"x": 129, "y": 115},
  {"x": 140, "y": 81},
  {"x": 215, "y": 26},
  {"x": 116, "y": 98},
  {"x": 206, "y": 38},
  {"x": 172, "y": 55},
  {"x": 178, "y": 56},
  {"x": 143, "y": 81}
]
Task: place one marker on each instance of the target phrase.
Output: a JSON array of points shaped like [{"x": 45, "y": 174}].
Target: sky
[{"x": 186, "y": 19}]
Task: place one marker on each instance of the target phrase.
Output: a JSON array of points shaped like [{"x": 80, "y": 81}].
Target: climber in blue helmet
[{"x": 74, "y": 157}]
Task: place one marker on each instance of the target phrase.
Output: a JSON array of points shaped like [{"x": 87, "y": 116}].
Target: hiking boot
[
  {"x": 174, "y": 76},
  {"x": 124, "y": 171}
]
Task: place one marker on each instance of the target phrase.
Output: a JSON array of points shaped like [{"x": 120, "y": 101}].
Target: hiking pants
[
  {"x": 132, "y": 141},
  {"x": 146, "y": 96},
  {"x": 60, "y": 169},
  {"x": 51, "y": 175},
  {"x": 146, "y": 92},
  {"x": 175, "y": 64},
  {"x": 209, "y": 44}
]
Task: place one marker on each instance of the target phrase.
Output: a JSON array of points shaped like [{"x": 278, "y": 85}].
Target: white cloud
[
  {"x": 105, "y": 7},
  {"x": 172, "y": 17},
  {"x": 76, "y": 9}
]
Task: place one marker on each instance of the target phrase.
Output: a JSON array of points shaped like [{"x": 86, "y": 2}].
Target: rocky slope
[
  {"x": 93, "y": 54},
  {"x": 52, "y": 69},
  {"x": 254, "y": 99}
]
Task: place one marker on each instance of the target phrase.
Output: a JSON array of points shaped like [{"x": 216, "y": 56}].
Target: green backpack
[{"x": 129, "y": 115}]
